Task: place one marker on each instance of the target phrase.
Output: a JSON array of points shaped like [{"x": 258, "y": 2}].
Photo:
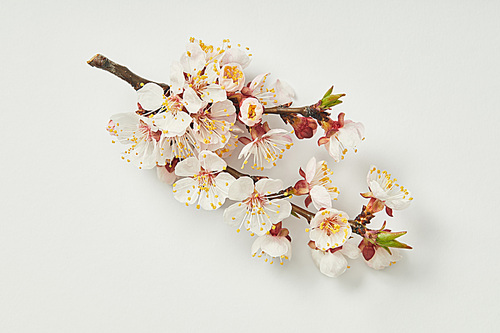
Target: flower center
[
  {"x": 233, "y": 73},
  {"x": 251, "y": 112},
  {"x": 205, "y": 180},
  {"x": 330, "y": 225}
]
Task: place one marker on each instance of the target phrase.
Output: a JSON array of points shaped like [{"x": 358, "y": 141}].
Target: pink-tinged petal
[
  {"x": 211, "y": 162},
  {"x": 284, "y": 92},
  {"x": 310, "y": 169},
  {"x": 165, "y": 176},
  {"x": 235, "y": 214},
  {"x": 150, "y": 96},
  {"x": 176, "y": 78},
  {"x": 241, "y": 189},
  {"x": 320, "y": 197},
  {"x": 186, "y": 191},
  {"x": 258, "y": 83},
  {"x": 237, "y": 56},
  {"x": 223, "y": 182},
  {"x": 269, "y": 186},
  {"x": 275, "y": 246},
  {"x": 213, "y": 93},
  {"x": 333, "y": 264},
  {"x": 188, "y": 167},
  {"x": 191, "y": 100},
  {"x": 350, "y": 250},
  {"x": 124, "y": 126}
]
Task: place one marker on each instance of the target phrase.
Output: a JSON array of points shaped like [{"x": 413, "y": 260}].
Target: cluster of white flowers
[{"x": 210, "y": 109}]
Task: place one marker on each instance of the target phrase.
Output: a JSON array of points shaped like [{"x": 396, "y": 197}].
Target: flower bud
[{"x": 304, "y": 127}]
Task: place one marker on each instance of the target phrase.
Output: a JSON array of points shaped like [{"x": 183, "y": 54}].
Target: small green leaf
[{"x": 385, "y": 236}]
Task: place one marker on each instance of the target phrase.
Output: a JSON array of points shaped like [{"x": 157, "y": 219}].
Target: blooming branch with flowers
[{"x": 210, "y": 110}]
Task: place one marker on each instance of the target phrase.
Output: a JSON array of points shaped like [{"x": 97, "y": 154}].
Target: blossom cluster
[{"x": 212, "y": 109}]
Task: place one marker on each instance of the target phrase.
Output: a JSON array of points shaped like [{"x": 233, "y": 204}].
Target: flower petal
[
  {"x": 310, "y": 170},
  {"x": 235, "y": 214},
  {"x": 333, "y": 264},
  {"x": 188, "y": 167},
  {"x": 268, "y": 186},
  {"x": 150, "y": 96},
  {"x": 185, "y": 190},
  {"x": 211, "y": 162},
  {"x": 320, "y": 197},
  {"x": 213, "y": 93},
  {"x": 223, "y": 181},
  {"x": 176, "y": 78},
  {"x": 191, "y": 100},
  {"x": 165, "y": 176},
  {"x": 241, "y": 189}
]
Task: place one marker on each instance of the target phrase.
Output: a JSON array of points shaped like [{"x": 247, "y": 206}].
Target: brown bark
[{"x": 100, "y": 61}]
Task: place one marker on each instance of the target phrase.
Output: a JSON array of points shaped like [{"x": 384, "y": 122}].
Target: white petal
[
  {"x": 333, "y": 264},
  {"x": 213, "y": 93},
  {"x": 351, "y": 134},
  {"x": 188, "y": 167},
  {"x": 317, "y": 256},
  {"x": 275, "y": 246},
  {"x": 236, "y": 55},
  {"x": 256, "y": 244},
  {"x": 185, "y": 190},
  {"x": 350, "y": 250},
  {"x": 191, "y": 100},
  {"x": 310, "y": 170},
  {"x": 284, "y": 92},
  {"x": 234, "y": 214},
  {"x": 223, "y": 181},
  {"x": 320, "y": 197},
  {"x": 268, "y": 186},
  {"x": 241, "y": 189},
  {"x": 193, "y": 60},
  {"x": 150, "y": 96},
  {"x": 334, "y": 148},
  {"x": 173, "y": 125},
  {"x": 211, "y": 162},
  {"x": 176, "y": 78},
  {"x": 282, "y": 207}
]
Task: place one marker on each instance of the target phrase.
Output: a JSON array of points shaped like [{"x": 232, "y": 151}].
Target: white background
[{"x": 91, "y": 244}]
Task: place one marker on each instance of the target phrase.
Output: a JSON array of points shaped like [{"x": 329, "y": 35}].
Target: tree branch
[{"x": 100, "y": 61}]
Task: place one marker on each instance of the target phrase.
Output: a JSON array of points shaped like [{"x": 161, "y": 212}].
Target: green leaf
[
  {"x": 328, "y": 93},
  {"x": 385, "y": 236},
  {"x": 394, "y": 243}
]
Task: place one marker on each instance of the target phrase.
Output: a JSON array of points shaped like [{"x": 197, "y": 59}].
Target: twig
[{"x": 100, "y": 61}]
